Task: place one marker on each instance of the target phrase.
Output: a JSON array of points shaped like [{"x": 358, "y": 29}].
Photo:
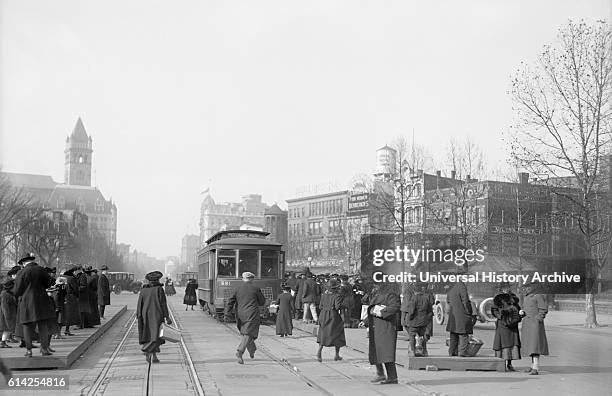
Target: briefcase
[{"x": 169, "y": 333}]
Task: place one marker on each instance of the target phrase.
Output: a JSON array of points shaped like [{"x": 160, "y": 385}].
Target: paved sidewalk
[{"x": 579, "y": 363}]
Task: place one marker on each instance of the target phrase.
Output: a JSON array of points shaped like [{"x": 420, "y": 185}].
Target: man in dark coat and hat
[
  {"x": 460, "y": 324},
  {"x": 247, "y": 298},
  {"x": 310, "y": 297},
  {"x": 103, "y": 291},
  {"x": 151, "y": 311},
  {"x": 35, "y": 307},
  {"x": 384, "y": 305},
  {"x": 92, "y": 290}
]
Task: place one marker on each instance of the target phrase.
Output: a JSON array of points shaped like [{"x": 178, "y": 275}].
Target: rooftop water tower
[{"x": 386, "y": 158}]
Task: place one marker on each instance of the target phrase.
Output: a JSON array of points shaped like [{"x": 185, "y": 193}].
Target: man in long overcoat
[
  {"x": 36, "y": 309},
  {"x": 298, "y": 296},
  {"x": 460, "y": 323},
  {"x": 92, "y": 293},
  {"x": 151, "y": 311},
  {"x": 103, "y": 291},
  {"x": 384, "y": 305},
  {"x": 247, "y": 299}
]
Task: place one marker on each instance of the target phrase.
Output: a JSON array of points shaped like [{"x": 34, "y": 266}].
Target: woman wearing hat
[
  {"x": 71, "y": 315},
  {"x": 331, "y": 325},
  {"x": 190, "y": 298},
  {"x": 284, "y": 325},
  {"x": 8, "y": 312},
  {"x": 533, "y": 333},
  {"x": 151, "y": 311}
]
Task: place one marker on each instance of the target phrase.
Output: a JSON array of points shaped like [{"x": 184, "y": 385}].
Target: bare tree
[
  {"x": 564, "y": 110},
  {"x": 16, "y": 214}
]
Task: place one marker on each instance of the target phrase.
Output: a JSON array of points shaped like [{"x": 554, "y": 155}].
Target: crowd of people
[{"x": 37, "y": 304}]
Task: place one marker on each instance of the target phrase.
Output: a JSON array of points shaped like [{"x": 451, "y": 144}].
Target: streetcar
[
  {"x": 119, "y": 281},
  {"x": 184, "y": 277},
  {"x": 226, "y": 256}
]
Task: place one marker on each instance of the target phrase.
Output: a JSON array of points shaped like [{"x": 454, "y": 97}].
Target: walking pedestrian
[
  {"x": 247, "y": 299},
  {"x": 284, "y": 325},
  {"x": 384, "y": 305},
  {"x": 92, "y": 294},
  {"x": 151, "y": 311},
  {"x": 506, "y": 342},
  {"x": 35, "y": 307},
  {"x": 310, "y": 295},
  {"x": 190, "y": 298},
  {"x": 533, "y": 332},
  {"x": 331, "y": 325},
  {"x": 8, "y": 312},
  {"x": 103, "y": 291},
  {"x": 169, "y": 286},
  {"x": 459, "y": 319},
  {"x": 417, "y": 313}
]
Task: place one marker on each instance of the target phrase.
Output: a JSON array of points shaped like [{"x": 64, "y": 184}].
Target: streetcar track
[
  {"x": 293, "y": 369},
  {"x": 101, "y": 378},
  {"x": 411, "y": 386},
  {"x": 193, "y": 374}
]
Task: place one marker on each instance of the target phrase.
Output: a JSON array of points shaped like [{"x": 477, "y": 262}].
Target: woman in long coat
[
  {"x": 284, "y": 326},
  {"x": 331, "y": 325},
  {"x": 533, "y": 333},
  {"x": 59, "y": 300},
  {"x": 384, "y": 305},
  {"x": 506, "y": 342},
  {"x": 190, "y": 298},
  {"x": 84, "y": 308},
  {"x": 71, "y": 315},
  {"x": 92, "y": 290},
  {"x": 8, "y": 312},
  {"x": 151, "y": 311}
]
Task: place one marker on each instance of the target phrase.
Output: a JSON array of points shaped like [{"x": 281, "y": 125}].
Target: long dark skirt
[{"x": 331, "y": 329}]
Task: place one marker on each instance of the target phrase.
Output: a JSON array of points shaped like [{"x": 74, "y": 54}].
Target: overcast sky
[{"x": 257, "y": 96}]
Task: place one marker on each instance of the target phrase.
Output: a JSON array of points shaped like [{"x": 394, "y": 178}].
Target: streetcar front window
[
  {"x": 269, "y": 264},
  {"x": 226, "y": 263},
  {"x": 248, "y": 261}
]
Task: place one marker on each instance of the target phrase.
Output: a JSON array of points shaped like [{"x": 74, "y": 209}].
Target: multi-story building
[
  {"x": 216, "y": 217},
  {"x": 315, "y": 230},
  {"x": 276, "y": 223},
  {"x": 189, "y": 249},
  {"x": 76, "y": 193}
]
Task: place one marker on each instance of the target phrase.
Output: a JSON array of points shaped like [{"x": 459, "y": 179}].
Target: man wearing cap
[
  {"x": 35, "y": 307},
  {"x": 103, "y": 291},
  {"x": 247, "y": 298},
  {"x": 151, "y": 311}
]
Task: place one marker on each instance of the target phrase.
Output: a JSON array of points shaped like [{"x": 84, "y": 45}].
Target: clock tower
[{"x": 78, "y": 153}]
